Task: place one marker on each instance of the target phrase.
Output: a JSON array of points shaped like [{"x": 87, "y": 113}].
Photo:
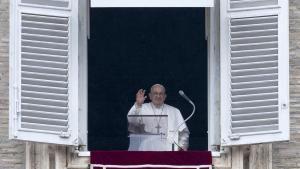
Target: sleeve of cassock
[
  {"x": 133, "y": 121},
  {"x": 183, "y": 139},
  {"x": 134, "y": 110},
  {"x": 183, "y": 133}
]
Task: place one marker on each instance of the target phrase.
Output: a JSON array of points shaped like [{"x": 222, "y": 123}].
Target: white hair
[{"x": 157, "y": 85}]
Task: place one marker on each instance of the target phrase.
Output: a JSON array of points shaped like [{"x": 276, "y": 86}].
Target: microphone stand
[{"x": 193, "y": 112}]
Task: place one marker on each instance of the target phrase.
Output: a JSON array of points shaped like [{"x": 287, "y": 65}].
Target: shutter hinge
[
  {"x": 234, "y": 137},
  {"x": 16, "y": 117},
  {"x": 17, "y": 108},
  {"x": 65, "y": 134},
  {"x": 17, "y": 113}
]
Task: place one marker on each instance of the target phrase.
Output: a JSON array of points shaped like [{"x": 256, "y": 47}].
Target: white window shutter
[
  {"x": 44, "y": 71},
  {"x": 254, "y": 71}
]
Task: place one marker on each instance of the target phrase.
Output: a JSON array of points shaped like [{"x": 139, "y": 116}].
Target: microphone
[
  {"x": 190, "y": 101},
  {"x": 185, "y": 96},
  {"x": 181, "y": 93}
]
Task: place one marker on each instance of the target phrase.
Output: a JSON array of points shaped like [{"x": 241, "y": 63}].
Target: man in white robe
[{"x": 176, "y": 134}]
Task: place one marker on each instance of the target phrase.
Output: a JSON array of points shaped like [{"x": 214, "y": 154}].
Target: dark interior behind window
[{"x": 133, "y": 48}]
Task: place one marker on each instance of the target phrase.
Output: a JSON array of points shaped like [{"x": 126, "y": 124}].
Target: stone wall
[
  {"x": 287, "y": 155},
  {"x": 12, "y": 153}
]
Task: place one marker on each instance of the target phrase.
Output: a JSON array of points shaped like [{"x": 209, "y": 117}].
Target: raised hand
[{"x": 140, "y": 97}]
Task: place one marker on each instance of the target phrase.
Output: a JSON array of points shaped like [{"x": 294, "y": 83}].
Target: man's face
[{"x": 157, "y": 95}]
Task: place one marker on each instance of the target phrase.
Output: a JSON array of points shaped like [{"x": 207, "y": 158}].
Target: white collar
[{"x": 160, "y": 107}]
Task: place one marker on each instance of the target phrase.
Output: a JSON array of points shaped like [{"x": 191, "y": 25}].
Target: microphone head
[{"x": 181, "y": 92}]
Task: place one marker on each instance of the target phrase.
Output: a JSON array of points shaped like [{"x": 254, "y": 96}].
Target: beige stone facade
[
  {"x": 12, "y": 153},
  {"x": 287, "y": 155}
]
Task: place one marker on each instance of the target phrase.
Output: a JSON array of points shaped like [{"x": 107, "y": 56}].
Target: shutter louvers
[
  {"x": 48, "y": 3},
  {"x": 254, "y": 61},
  {"x": 254, "y": 74},
  {"x": 237, "y": 4},
  {"x": 44, "y": 98},
  {"x": 47, "y": 84}
]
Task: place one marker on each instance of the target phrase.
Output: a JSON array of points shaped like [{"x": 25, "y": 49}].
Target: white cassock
[{"x": 174, "y": 131}]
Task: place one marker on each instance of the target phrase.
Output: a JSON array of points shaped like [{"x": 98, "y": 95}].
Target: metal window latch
[
  {"x": 284, "y": 106},
  {"x": 235, "y": 137}
]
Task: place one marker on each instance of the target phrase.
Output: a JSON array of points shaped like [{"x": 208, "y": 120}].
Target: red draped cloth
[{"x": 177, "y": 158}]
